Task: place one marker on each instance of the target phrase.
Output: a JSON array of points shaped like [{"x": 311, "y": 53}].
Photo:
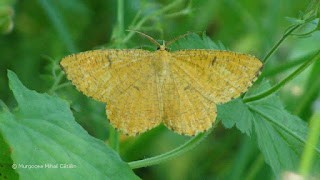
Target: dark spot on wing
[
  {"x": 110, "y": 62},
  {"x": 213, "y": 61},
  {"x": 136, "y": 88}
]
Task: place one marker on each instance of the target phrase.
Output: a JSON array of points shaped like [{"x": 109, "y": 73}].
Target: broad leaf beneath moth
[{"x": 143, "y": 88}]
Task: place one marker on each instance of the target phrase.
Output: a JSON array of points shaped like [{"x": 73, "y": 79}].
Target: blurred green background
[{"x": 35, "y": 35}]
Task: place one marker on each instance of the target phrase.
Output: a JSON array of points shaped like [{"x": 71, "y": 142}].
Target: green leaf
[
  {"x": 43, "y": 131},
  {"x": 194, "y": 41},
  {"x": 293, "y": 20},
  {"x": 280, "y": 135},
  {"x": 242, "y": 119},
  {"x": 6, "y": 171}
]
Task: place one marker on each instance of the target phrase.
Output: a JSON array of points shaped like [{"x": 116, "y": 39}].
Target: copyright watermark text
[{"x": 44, "y": 166}]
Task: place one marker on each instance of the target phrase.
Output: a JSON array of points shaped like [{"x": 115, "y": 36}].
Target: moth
[{"x": 141, "y": 88}]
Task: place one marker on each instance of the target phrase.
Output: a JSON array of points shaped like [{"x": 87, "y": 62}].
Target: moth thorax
[
  {"x": 161, "y": 63},
  {"x": 162, "y": 48}
]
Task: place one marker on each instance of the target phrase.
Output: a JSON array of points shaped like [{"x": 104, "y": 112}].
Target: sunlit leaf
[{"x": 43, "y": 132}]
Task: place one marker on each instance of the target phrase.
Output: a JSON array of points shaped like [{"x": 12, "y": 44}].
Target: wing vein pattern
[{"x": 143, "y": 88}]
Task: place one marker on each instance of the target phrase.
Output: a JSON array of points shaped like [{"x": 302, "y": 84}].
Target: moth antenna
[
  {"x": 147, "y": 36},
  {"x": 178, "y": 37}
]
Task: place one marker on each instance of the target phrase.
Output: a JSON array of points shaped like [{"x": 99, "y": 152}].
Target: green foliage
[
  {"x": 6, "y": 171},
  {"x": 193, "y": 41},
  {"x": 309, "y": 150},
  {"x": 281, "y": 136},
  {"x": 267, "y": 139},
  {"x": 243, "y": 119},
  {"x": 43, "y": 131}
]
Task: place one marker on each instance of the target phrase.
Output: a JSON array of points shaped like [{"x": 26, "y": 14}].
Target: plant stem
[
  {"x": 276, "y": 46},
  {"x": 113, "y": 139},
  {"x": 284, "y": 81},
  {"x": 146, "y": 18},
  {"x": 286, "y": 34},
  {"x": 140, "y": 142},
  {"x": 171, "y": 154},
  {"x": 135, "y": 19},
  {"x": 180, "y": 13},
  {"x": 56, "y": 82},
  {"x": 312, "y": 90},
  {"x": 306, "y": 34},
  {"x": 308, "y": 152},
  {"x": 286, "y": 66},
  {"x": 163, "y": 157},
  {"x": 61, "y": 86},
  {"x": 307, "y": 98},
  {"x": 184, "y": 11},
  {"x": 59, "y": 25},
  {"x": 120, "y": 19}
]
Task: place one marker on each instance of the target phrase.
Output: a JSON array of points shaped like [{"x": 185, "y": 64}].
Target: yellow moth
[{"x": 143, "y": 88}]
